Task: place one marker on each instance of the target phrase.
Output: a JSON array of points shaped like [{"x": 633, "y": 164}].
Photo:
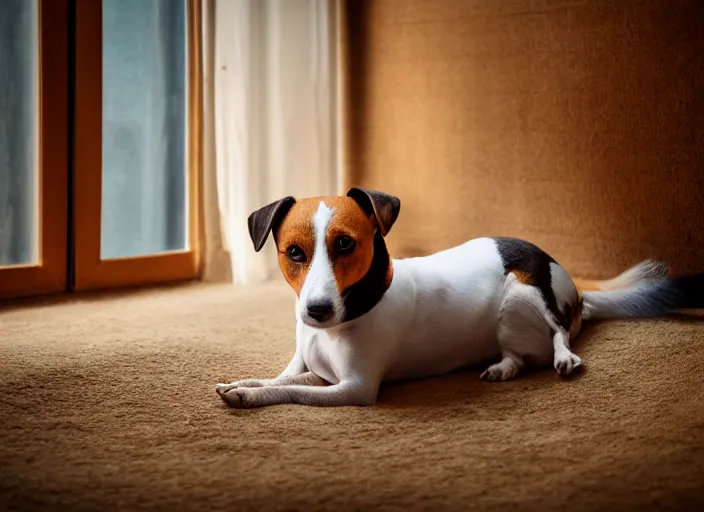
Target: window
[
  {"x": 33, "y": 147},
  {"x": 135, "y": 145}
]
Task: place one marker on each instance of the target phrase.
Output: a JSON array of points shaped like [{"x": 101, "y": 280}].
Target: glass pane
[
  {"x": 144, "y": 206},
  {"x": 18, "y": 132}
]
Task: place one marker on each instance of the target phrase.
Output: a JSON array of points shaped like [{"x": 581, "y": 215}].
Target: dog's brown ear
[
  {"x": 385, "y": 207},
  {"x": 267, "y": 218}
]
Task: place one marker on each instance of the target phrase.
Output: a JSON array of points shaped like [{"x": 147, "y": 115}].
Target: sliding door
[
  {"x": 33, "y": 146},
  {"x": 137, "y": 142}
]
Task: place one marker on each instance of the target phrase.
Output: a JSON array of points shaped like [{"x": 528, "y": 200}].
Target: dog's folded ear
[
  {"x": 383, "y": 206},
  {"x": 267, "y": 218}
]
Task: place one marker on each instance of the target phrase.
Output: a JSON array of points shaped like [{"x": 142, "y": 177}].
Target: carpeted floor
[{"x": 109, "y": 404}]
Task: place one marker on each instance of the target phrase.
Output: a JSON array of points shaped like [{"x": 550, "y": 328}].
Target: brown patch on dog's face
[
  {"x": 296, "y": 229},
  {"x": 348, "y": 221}
]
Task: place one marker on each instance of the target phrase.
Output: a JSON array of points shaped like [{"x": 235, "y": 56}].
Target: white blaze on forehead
[
  {"x": 321, "y": 220},
  {"x": 320, "y": 283}
]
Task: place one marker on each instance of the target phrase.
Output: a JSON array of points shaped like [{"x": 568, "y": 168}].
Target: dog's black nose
[{"x": 320, "y": 310}]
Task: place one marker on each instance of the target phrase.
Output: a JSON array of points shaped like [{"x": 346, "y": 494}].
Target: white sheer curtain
[{"x": 271, "y": 120}]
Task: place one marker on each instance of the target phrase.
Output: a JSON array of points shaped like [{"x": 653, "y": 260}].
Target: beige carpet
[{"x": 109, "y": 404}]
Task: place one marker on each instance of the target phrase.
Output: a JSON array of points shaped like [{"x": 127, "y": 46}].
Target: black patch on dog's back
[{"x": 532, "y": 266}]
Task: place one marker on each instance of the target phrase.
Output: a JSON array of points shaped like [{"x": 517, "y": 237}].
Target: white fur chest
[{"x": 323, "y": 353}]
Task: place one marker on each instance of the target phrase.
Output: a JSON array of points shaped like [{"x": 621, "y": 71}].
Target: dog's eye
[
  {"x": 344, "y": 245},
  {"x": 295, "y": 253}
]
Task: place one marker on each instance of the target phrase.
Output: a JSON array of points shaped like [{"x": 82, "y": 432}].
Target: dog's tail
[{"x": 641, "y": 291}]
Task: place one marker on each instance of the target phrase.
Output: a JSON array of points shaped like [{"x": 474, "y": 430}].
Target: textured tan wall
[{"x": 578, "y": 125}]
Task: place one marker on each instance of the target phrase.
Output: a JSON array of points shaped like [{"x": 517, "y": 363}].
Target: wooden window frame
[
  {"x": 90, "y": 271},
  {"x": 49, "y": 274}
]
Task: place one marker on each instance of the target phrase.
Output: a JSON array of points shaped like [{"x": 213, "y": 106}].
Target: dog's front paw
[
  {"x": 247, "y": 383},
  {"x": 234, "y": 397},
  {"x": 223, "y": 388}
]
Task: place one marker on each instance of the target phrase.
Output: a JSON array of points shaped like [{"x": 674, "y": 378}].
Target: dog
[{"x": 364, "y": 319}]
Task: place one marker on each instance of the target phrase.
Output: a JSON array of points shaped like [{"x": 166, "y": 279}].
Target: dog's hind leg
[
  {"x": 506, "y": 369},
  {"x": 523, "y": 333},
  {"x": 529, "y": 332},
  {"x": 565, "y": 361}
]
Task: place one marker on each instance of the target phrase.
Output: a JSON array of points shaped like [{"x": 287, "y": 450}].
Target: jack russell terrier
[{"x": 364, "y": 318}]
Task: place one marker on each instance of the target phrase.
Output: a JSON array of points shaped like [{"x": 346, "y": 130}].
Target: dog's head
[{"x": 331, "y": 251}]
